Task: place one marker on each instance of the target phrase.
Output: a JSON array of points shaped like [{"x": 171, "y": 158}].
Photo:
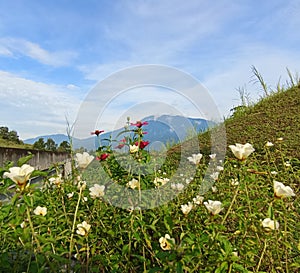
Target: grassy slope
[
  {"x": 272, "y": 117},
  {"x": 9, "y": 144},
  {"x": 277, "y": 115}
]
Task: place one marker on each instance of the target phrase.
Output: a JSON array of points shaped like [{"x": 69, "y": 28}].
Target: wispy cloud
[
  {"x": 25, "y": 103},
  {"x": 14, "y": 47}
]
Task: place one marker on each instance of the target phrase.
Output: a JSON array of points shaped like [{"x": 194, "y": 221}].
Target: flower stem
[
  {"x": 73, "y": 226},
  {"x": 230, "y": 207},
  {"x": 261, "y": 256}
]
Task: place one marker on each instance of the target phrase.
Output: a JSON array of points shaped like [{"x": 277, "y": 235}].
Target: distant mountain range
[{"x": 160, "y": 131}]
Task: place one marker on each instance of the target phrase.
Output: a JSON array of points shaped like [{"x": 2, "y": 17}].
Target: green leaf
[
  {"x": 179, "y": 267},
  {"x": 270, "y": 212},
  {"x": 23, "y": 160}
]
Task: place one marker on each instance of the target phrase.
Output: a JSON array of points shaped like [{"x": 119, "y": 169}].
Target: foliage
[
  {"x": 9, "y": 136},
  {"x": 62, "y": 227},
  {"x": 67, "y": 224}
]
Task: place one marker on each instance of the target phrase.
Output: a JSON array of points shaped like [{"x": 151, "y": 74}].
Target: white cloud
[
  {"x": 34, "y": 108},
  {"x": 14, "y": 46}
]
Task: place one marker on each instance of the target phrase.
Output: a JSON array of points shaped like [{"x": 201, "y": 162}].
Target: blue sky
[{"x": 52, "y": 53}]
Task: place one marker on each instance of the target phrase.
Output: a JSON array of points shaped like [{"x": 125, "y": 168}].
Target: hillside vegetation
[
  {"x": 273, "y": 117},
  {"x": 186, "y": 213}
]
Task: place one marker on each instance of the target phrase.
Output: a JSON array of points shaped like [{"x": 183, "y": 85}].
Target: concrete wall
[{"x": 41, "y": 160}]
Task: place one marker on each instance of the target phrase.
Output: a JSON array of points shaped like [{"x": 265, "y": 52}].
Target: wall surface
[{"x": 41, "y": 160}]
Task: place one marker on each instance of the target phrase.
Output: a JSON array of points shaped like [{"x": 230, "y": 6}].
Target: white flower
[
  {"x": 214, "y": 207},
  {"x": 234, "y": 182},
  {"x": 198, "y": 199},
  {"x": 57, "y": 180},
  {"x": 23, "y": 224},
  {"x": 160, "y": 181},
  {"x": 241, "y": 151},
  {"x": 178, "y": 186},
  {"x": 269, "y": 144},
  {"x": 220, "y": 168},
  {"x": 81, "y": 185},
  {"x": 133, "y": 184},
  {"x": 133, "y": 148},
  {"x": 215, "y": 175},
  {"x": 40, "y": 211},
  {"x": 165, "y": 242},
  {"x": 235, "y": 253},
  {"x": 97, "y": 191},
  {"x": 84, "y": 159},
  {"x": 214, "y": 189},
  {"x": 20, "y": 175},
  {"x": 188, "y": 180},
  {"x": 213, "y": 156},
  {"x": 186, "y": 208},
  {"x": 270, "y": 224},
  {"x": 287, "y": 164},
  {"x": 83, "y": 228},
  {"x": 195, "y": 158},
  {"x": 282, "y": 191},
  {"x": 70, "y": 195},
  {"x": 280, "y": 139},
  {"x": 274, "y": 172}
]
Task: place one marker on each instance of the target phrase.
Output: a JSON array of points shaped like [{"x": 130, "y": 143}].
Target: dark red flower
[
  {"x": 102, "y": 157},
  {"x": 97, "y": 132},
  {"x": 139, "y": 123},
  {"x": 142, "y": 145}
]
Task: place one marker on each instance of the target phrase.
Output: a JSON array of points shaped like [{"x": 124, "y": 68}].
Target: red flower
[
  {"x": 139, "y": 124},
  {"x": 122, "y": 144},
  {"x": 102, "y": 157},
  {"x": 97, "y": 132},
  {"x": 143, "y": 144}
]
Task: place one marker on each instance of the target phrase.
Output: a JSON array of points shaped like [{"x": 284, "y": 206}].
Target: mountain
[
  {"x": 58, "y": 138},
  {"x": 161, "y": 131}
]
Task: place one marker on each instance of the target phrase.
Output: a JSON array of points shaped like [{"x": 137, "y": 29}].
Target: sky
[{"x": 53, "y": 54}]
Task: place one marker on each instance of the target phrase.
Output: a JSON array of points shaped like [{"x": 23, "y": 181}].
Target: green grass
[
  {"x": 124, "y": 240},
  {"x": 9, "y": 144}
]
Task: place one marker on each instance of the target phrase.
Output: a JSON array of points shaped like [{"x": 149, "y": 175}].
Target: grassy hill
[
  {"x": 11, "y": 144},
  {"x": 275, "y": 116}
]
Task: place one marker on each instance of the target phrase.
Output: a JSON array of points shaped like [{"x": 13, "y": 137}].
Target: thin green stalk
[
  {"x": 261, "y": 256},
  {"x": 32, "y": 229},
  {"x": 230, "y": 207},
  {"x": 74, "y": 223}
]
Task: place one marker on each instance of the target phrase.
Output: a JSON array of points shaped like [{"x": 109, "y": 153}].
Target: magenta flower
[
  {"x": 121, "y": 144},
  {"x": 139, "y": 123}
]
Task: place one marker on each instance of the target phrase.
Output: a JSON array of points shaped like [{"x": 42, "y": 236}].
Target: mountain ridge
[{"x": 165, "y": 129}]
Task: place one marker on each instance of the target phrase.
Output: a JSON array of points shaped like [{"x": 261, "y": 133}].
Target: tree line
[
  {"x": 11, "y": 136},
  {"x": 50, "y": 145}
]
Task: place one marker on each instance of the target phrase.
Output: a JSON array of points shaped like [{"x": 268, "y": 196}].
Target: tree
[
  {"x": 39, "y": 144},
  {"x": 50, "y": 145},
  {"x": 4, "y": 132},
  {"x": 64, "y": 146},
  {"x": 11, "y": 136}
]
